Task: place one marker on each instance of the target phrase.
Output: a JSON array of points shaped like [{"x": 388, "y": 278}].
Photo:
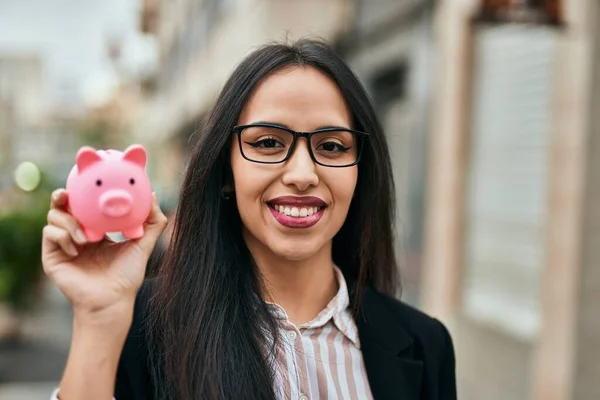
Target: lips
[{"x": 297, "y": 212}]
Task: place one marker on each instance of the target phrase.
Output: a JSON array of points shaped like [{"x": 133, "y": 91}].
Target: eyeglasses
[{"x": 273, "y": 144}]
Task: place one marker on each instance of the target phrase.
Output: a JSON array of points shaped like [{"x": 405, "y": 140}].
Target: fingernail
[
  {"x": 56, "y": 194},
  {"x": 80, "y": 236}
]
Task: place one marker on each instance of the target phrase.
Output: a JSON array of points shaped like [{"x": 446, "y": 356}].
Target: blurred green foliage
[
  {"x": 21, "y": 248},
  {"x": 20, "y": 257}
]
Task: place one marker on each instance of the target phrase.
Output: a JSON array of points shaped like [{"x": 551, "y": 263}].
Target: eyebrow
[{"x": 287, "y": 127}]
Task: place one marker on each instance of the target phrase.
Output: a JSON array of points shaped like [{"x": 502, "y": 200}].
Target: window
[{"x": 508, "y": 173}]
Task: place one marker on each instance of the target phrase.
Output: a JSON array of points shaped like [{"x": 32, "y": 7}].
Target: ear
[
  {"x": 87, "y": 156},
  {"x": 136, "y": 154}
]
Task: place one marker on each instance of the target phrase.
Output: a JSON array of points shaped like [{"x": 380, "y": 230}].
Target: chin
[
  {"x": 293, "y": 250},
  {"x": 292, "y": 253}
]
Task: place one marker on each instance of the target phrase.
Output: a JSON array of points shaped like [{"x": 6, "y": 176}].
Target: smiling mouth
[{"x": 296, "y": 211}]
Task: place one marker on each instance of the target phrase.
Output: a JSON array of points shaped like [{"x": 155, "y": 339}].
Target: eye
[
  {"x": 333, "y": 147},
  {"x": 266, "y": 144},
  {"x": 98, "y": 182},
  {"x": 132, "y": 181}
]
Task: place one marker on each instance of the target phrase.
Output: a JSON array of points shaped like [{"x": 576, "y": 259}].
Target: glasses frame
[{"x": 359, "y": 134}]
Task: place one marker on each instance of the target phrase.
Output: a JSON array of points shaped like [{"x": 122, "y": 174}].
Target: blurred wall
[
  {"x": 505, "y": 239},
  {"x": 587, "y": 339}
]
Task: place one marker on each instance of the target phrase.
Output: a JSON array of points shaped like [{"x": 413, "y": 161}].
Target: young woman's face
[{"x": 316, "y": 197}]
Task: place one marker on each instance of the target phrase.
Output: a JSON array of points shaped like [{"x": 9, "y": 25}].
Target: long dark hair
[{"x": 207, "y": 324}]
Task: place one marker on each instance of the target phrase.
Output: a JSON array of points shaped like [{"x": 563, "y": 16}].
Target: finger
[
  {"x": 154, "y": 225},
  {"x": 53, "y": 237},
  {"x": 66, "y": 221},
  {"x": 59, "y": 199}
]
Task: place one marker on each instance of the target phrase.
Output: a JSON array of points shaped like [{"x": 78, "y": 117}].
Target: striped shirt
[{"x": 320, "y": 359}]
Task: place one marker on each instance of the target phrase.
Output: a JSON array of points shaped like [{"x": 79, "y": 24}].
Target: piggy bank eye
[
  {"x": 98, "y": 182},
  {"x": 132, "y": 181}
]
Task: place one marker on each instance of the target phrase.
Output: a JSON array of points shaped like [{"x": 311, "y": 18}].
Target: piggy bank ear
[
  {"x": 87, "y": 156},
  {"x": 136, "y": 154}
]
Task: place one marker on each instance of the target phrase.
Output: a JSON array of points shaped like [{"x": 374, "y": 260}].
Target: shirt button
[
  {"x": 292, "y": 335},
  {"x": 302, "y": 397}
]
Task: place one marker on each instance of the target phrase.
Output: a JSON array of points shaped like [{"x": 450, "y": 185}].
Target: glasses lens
[
  {"x": 265, "y": 144},
  {"x": 335, "y": 148}
]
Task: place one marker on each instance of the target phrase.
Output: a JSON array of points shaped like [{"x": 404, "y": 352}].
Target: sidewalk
[{"x": 31, "y": 368}]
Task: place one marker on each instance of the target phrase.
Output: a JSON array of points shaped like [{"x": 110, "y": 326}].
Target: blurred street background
[{"x": 491, "y": 111}]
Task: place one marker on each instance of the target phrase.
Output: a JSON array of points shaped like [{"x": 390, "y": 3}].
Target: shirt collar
[{"x": 338, "y": 311}]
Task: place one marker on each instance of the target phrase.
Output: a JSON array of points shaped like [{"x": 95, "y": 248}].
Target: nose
[
  {"x": 115, "y": 203},
  {"x": 300, "y": 169}
]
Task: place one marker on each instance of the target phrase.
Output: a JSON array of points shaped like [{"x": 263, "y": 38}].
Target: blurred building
[
  {"x": 31, "y": 130},
  {"x": 109, "y": 124},
  {"x": 22, "y": 107},
  {"x": 511, "y": 215},
  {"x": 6, "y": 127},
  {"x": 58, "y": 140},
  {"x": 22, "y": 83},
  {"x": 390, "y": 47}
]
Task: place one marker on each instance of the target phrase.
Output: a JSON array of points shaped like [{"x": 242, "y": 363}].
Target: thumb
[{"x": 153, "y": 227}]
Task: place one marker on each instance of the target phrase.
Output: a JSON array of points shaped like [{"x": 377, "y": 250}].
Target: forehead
[{"x": 301, "y": 97}]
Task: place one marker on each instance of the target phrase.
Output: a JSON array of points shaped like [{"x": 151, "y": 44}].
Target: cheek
[
  {"x": 250, "y": 182},
  {"x": 342, "y": 184}
]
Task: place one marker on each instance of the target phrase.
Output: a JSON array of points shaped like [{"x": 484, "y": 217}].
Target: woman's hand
[{"x": 99, "y": 279}]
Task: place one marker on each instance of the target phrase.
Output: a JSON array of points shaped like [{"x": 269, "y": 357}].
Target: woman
[{"x": 278, "y": 277}]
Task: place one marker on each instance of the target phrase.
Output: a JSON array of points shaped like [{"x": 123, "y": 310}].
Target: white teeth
[{"x": 295, "y": 211}]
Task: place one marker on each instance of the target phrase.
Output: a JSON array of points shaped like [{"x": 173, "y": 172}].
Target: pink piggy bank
[{"x": 109, "y": 191}]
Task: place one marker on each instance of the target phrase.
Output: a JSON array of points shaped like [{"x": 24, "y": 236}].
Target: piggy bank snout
[{"x": 115, "y": 203}]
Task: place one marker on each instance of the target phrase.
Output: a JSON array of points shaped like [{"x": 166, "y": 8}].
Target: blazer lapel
[{"x": 388, "y": 351}]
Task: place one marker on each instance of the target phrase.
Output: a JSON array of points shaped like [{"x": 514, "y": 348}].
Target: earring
[{"x": 226, "y": 192}]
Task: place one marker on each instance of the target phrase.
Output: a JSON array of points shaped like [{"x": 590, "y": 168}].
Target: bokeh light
[{"x": 28, "y": 176}]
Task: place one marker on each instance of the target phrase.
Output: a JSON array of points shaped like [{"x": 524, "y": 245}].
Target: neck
[{"x": 302, "y": 287}]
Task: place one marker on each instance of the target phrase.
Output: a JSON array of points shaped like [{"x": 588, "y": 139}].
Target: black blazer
[{"x": 408, "y": 355}]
